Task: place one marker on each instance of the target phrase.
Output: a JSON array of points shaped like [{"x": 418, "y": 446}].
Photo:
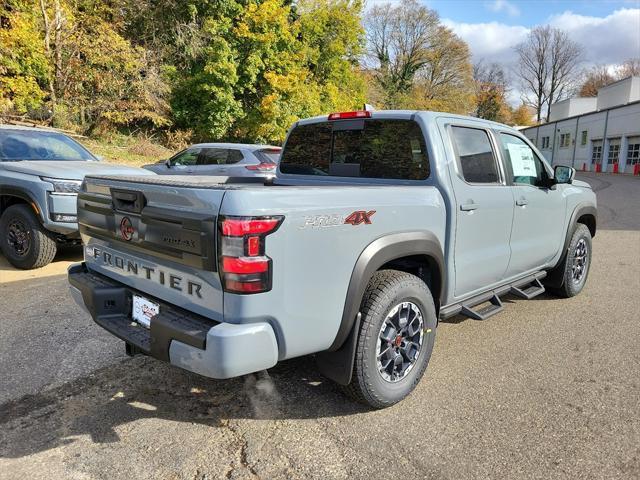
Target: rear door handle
[
  {"x": 470, "y": 205},
  {"x": 521, "y": 202}
]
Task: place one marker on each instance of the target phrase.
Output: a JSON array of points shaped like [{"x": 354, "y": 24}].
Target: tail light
[
  {"x": 262, "y": 167},
  {"x": 244, "y": 266}
]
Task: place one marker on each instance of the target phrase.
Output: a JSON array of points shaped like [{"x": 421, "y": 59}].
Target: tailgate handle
[{"x": 127, "y": 201}]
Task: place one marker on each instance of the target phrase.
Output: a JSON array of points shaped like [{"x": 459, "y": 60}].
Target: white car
[{"x": 221, "y": 159}]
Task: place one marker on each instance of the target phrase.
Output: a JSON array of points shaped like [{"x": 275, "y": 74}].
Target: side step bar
[
  {"x": 527, "y": 288},
  {"x": 486, "y": 312},
  {"x": 533, "y": 290}
]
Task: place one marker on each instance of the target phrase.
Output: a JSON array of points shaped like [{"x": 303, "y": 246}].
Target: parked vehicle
[
  {"x": 221, "y": 159},
  {"x": 376, "y": 225},
  {"x": 40, "y": 174}
]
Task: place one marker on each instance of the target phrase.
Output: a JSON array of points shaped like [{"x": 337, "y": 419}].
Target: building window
[
  {"x": 633, "y": 151},
  {"x": 583, "y": 140},
  {"x": 614, "y": 153},
  {"x": 545, "y": 142},
  {"x": 596, "y": 152},
  {"x": 565, "y": 140}
]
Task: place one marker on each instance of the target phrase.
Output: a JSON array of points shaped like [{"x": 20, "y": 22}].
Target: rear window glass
[
  {"x": 270, "y": 155},
  {"x": 393, "y": 149}
]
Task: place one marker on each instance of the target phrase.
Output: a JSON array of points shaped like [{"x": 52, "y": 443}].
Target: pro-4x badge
[{"x": 360, "y": 216}]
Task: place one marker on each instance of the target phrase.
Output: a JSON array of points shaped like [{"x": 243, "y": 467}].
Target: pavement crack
[{"x": 241, "y": 452}]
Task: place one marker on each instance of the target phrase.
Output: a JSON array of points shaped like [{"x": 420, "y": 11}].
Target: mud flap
[{"x": 338, "y": 365}]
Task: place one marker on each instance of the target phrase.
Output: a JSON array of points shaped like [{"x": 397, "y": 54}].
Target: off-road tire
[
  {"x": 42, "y": 244},
  {"x": 569, "y": 287},
  {"x": 387, "y": 289}
]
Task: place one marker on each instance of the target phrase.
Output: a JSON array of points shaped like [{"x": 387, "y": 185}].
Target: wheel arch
[
  {"x": 419, "y": 253},
  {"x": 585, "y": 214},
  {"x": 11, "y": 196}
]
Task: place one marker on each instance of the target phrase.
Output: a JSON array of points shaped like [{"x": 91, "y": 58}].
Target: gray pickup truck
[
  {"x": 40, "y": 174},
  {"x": 377, "y": 225}
]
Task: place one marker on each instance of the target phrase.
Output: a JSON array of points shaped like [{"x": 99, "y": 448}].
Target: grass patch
[{"x": 127, "y": 150}]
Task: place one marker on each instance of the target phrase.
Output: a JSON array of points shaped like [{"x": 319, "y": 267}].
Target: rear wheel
[
  {"x": 23, "y": 240},
  {"x": 395, "y": 340}
]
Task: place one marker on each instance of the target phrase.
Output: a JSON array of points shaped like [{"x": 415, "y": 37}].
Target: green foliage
[
  {"x": 269, "y": 66},
  {"x": 216, "y": 69},
  {"x": 24, "y": 68}
]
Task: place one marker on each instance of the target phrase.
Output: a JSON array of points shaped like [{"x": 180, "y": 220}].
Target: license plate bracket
[{"x": 143, "y": 310}]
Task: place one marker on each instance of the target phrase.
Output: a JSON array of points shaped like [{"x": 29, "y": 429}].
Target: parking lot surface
[{"x": 549, "y": 388}]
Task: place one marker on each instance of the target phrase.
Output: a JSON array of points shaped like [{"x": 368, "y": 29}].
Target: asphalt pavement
[{"x": 548, "y": 388}]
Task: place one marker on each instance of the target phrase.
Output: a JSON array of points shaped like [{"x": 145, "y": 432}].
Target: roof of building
[{"x": 584, "y": 114}]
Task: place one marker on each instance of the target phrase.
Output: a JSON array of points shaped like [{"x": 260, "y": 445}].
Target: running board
[
  {"x": 486, "y": 312},
  {"x": 533, "y": 290},
  {"x": 527, "y": 288}
]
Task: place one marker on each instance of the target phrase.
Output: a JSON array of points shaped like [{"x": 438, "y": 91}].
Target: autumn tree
[
  {"x": 629, "y": 68},
  {"x": 445, "y": 82},
  {"x": 595, "y": 78},
  {"x": 416, "y": 61},
  {"x": 548, "y": 62},
  {"x": 24, "y": 67},
  {"x": 522, "y": 115},
  {"x": 268, "y": 65},
  {"x": 399, "y": 40},
  {"x": 490, "y": 92},
  {"x": 600, "y": 76}
]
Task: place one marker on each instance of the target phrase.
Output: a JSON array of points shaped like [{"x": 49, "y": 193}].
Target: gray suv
[
  {"x": 221, "y": 159},
  {"x": 41, "y": 171}
]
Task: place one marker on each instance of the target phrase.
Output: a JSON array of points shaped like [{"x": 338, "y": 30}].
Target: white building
[{"x": 594, "y": 134}]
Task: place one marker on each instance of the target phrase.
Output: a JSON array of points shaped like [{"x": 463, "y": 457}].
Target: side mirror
[
  {"x": 562, "y": 174},
  {"x": 167, "y": 162}
]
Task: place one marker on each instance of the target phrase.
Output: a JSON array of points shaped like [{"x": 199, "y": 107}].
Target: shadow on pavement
[
  {"x": 65, "y": 255},
  {"x": 142, "y": 388}
]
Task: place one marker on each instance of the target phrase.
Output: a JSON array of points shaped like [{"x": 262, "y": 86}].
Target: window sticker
[{"x": 522, "y": 160}]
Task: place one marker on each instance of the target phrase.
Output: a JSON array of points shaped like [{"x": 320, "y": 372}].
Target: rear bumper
[{"x": 180, "y": 337}]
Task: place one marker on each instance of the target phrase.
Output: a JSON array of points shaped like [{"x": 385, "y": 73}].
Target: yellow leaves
[
  {"x": 23, "y": 65},
  {"x": 266, "y": 22}
]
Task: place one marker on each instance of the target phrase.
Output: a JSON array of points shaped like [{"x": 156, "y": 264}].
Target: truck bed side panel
[{"x": 314, "y": 252}]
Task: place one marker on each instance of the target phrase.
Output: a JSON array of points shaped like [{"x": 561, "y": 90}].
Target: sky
[{"x": 608, "y": 30}]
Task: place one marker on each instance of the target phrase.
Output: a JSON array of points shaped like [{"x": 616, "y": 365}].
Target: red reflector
[
  {"x": 253, "y": 246},
  {"x": 236, "y": 227},
  {"x": 244, "y": 287},
  {"x": 345, "y": 115},
  {"x": 243, "y": 265}
]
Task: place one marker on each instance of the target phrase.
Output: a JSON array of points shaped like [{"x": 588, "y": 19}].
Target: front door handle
[
  {"x": 470, "y": 205},
  {"x": 521, "y": 202}
]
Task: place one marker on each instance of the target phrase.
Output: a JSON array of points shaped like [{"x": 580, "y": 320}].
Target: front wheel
[
  {"x": 395, "y": 341},
  {"x": 24, "y": 241},
  {"x": 577, "y": 262}
]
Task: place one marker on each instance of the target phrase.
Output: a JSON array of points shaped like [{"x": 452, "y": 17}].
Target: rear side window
[
  {"x": 367, "y": 148},
  {"x": 186, "y": 157},
  {"x": 219, "y": 156},
  {"x": 474, "y": 154}
]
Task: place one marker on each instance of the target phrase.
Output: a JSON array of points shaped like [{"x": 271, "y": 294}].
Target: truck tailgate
[{"x": 156, "y": 236}]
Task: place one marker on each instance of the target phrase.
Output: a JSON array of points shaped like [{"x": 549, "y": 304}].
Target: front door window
[{"x": 523, "y": 165}]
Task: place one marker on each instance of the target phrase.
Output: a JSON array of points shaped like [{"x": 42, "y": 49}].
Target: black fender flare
[
  {"x": 337, "y": 362},
  {"x": 555, "y": 276},
  {"x": 23, "y": 195}
]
